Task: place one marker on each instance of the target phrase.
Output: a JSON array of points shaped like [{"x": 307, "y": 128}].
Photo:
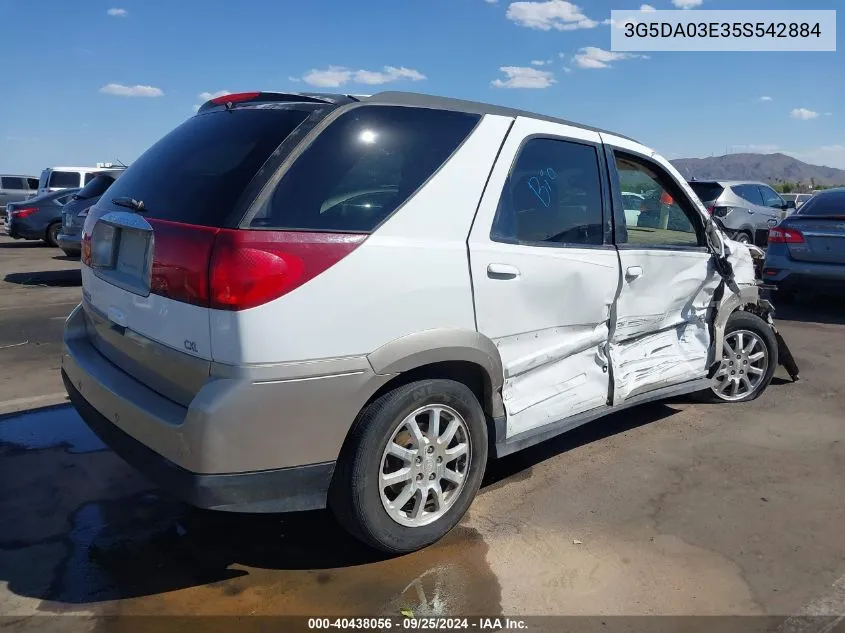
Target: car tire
[
  {"x": 743, "y": 237},
  {"x": 361, "y": 499},
  {"x": 51, "y": 237},
  {"x": 741, "y": 328}
]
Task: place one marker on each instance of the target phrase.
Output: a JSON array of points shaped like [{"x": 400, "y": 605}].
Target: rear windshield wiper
[{"x": 130, "y": 203}]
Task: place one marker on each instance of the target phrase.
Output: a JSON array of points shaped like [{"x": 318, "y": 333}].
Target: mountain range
[{"x": 771, "y": 168}]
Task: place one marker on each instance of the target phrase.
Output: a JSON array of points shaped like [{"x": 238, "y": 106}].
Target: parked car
[
  {"x": 37, "y": 218},
  {"x": 747, "y": 209},
  {"x": 797, "y": 198},
  {"x": 294, "y": 301},
  {"x": 16, "y": 188},
  {"x": 58, "y": 178},
  {"x": 76, "y": 209},
  {"x": 807, "y": 249}
]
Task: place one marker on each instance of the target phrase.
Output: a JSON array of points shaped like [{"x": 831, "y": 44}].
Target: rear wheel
[
  {"x": 52, "y": 235},
  {"x": 412, "y": 465},
  {"x": 749, "y": 359}
]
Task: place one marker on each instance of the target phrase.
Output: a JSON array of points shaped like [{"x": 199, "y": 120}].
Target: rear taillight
[
  {"x": 710, "y": 209},
  {"x": 23, "y": 213},
  {"x": 235, "y": 98},
  {"x": 230, "y": 269},
  {"x": 784, "y": 235}
]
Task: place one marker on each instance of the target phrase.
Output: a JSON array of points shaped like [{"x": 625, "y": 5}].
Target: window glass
[
  {"x": 362, "y": 167},
  {"x": 64, "y": 179},
  {"x": 552, "y": 196},
  {"x": 828, "y": 203},
  {"x": 32, "y": 182},
  {"x": 666, "y": 217},
  {"x": 197, "y": 172},
  {"x": 11, "y": 182},
  {"x": 707, "y": 191},
  {"x": 96, "y": 186},
  {"x": 749, "y": 193},
  {"x": 88, "y": 178},
  {"x": 771, "y": 198}
]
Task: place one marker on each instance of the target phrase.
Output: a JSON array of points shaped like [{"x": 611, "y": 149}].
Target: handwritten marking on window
[{"x": 541, "y": 186}]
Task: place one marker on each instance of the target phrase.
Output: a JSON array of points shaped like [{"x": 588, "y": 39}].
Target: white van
[{"x": 56, "y": 178}]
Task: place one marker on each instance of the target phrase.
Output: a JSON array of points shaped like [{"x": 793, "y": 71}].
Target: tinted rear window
[
  {"x": 832, "y": 203},
  {"x": 33, "y": 183},
  {"x": 361, "y": 168},
  {"x": 64, "y": 179},
  {"x": 707, "y": 191},
  {"x": 96, "y": 187},
  {"x": 197, "y": 172},
  {"x": 11, "y": 182}
]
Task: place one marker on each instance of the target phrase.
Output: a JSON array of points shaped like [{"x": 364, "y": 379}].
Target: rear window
[
  {"x": 362, "y": 167},
  {"x": 707, "y": 191},
  {"x": 64, "y": 179},
  {"x": 11, "y": 182},
  {"x": 96, "y": 187},
  {"x": 198, "y": 171},
  {"x": 33, "y": 183},
  {"x": 832, "y": 203}
]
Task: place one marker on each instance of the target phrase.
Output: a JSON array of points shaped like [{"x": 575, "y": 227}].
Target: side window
[
  {"x": 363, "y": 167},
  {"x": 64, "y": 179},
  {"x": 12, "y": 183},
  {"x": 33, "y": 183},
  {"x": 771, "y": 198},
  {"x": 749, "y": 193},
  {"x": 88, "y": 178},
  {"x": 552, "y": 196},
  {"x": 666, "y": 218}
]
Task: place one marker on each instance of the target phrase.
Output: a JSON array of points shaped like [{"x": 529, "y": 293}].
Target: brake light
[
  {"x": 784, "y": 235},
  {"x": 235, "y": 98},
  {"x": 229, "y": 269},
  {"x": 23, "y": 213}
]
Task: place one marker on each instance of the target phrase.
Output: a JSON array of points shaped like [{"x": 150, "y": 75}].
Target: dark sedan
[
  {"x": 37, "y": 218},
  {"x": 807, "y": 249},
  {"x": 75, "y": 211}
]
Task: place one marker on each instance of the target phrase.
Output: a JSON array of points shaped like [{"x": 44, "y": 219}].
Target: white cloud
[
  {"x": 804, "y": 114},
  {"x": 567, "y": 69},
  {"x": 491, "y": 1},
  {"x": 524, "y": 77},
  {"x": 647, "y": 8},
  {"x": 119, "y": 90},
  {"x": 829, "y": 155},
  {"x": 687, "y": 4},
  {"x": 594, "y": 57},
  {"x": 117, "y": 13},
  {"x": 335, "y": 76},
  {"x": 207, "y": 96},
  {"x": 540, "y": 62},
  {"x": 828, "y": 113},
  {"x": 552, "y": 14},
  {"x": 197, "y": 107},
  {"x": 765, "y": 98},
  {"x": 765, "y": 148},
  {"x": 293, "y": 79}
]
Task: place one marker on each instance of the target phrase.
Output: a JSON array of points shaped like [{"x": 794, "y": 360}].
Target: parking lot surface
[{"x": 671, "y": 508}]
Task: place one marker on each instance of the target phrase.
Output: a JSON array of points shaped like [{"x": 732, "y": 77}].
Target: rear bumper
[
  {"x": 789, "y": 274},
  {"x": 70, "y": 244},
  {"x": 280, "y": 490},
  {"x": 259, "y": 439}
]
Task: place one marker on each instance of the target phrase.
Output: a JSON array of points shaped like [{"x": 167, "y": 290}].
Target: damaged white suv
[{"x": 299, "y": 301}]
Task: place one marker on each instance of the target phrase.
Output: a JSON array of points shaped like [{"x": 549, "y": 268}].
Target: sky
[{"x": 103, "y": 80}]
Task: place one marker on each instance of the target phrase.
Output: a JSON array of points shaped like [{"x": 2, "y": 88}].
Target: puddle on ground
[
  {"x": 54, "y": 427},
  {"x": 117, "y": 547}
]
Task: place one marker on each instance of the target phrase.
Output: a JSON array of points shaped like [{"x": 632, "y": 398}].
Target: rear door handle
[
  {"x": 633, "y": 272},
  {"x": 502, "y": 271}
]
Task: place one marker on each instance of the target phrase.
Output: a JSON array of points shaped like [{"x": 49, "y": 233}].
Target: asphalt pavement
[{"x": 674, "y": 508}]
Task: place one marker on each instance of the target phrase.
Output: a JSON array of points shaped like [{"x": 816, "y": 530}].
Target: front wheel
[
  {"x": 749, "y": 359},
  {"x": 742, "y": 237},
  {"x": 411, "y": 466}
]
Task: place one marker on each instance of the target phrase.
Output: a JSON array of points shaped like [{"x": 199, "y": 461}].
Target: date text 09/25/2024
[{"x": 418, "y": 624}]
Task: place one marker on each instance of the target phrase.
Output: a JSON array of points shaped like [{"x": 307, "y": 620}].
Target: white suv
[{"x": 299, "y": 301}]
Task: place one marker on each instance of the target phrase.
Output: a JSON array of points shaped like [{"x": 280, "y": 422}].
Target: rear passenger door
[
  {"x": 659, "y": 337},
  {"x": 545, "y": 273}
]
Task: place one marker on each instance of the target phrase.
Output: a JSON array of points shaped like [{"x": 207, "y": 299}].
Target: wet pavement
[{"x": 671, "y": 508}]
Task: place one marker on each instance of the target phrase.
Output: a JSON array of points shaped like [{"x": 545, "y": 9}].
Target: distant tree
[{"x": 786, "y": 187}]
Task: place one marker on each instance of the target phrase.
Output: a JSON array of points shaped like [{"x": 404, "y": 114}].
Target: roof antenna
[{"x": 120, "y": 162}]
